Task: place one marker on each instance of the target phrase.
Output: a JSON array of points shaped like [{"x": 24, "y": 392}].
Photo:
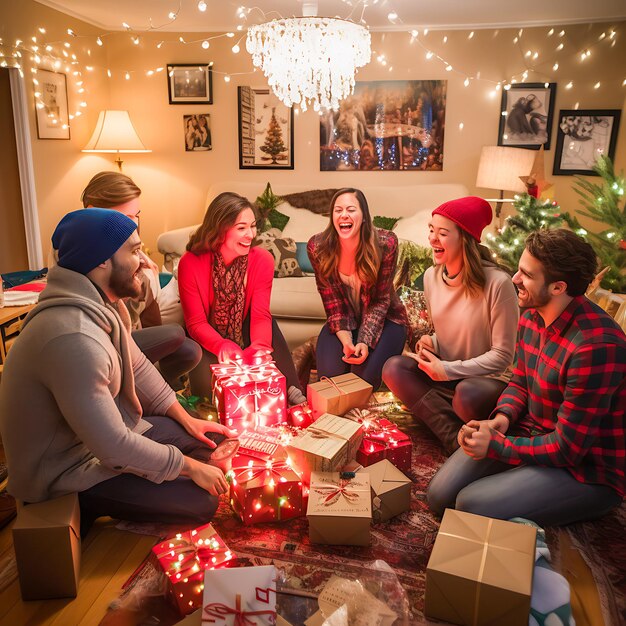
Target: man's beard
[{"x": 122, "y": 283}]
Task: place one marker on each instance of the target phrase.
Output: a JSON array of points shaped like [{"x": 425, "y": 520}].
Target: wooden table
[{"x": 10, "y": 322}]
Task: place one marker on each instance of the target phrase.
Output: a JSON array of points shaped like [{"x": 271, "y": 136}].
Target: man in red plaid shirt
[{"x": 554, "y": 449}]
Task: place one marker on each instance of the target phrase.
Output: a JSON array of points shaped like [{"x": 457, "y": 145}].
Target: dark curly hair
[{"x": 565, "y": 256}]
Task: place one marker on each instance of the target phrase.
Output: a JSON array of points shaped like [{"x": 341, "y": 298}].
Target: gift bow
[
  {"x": 332, "y": 493},
  {"x": 372, "y": 427},
  {"x": 256, "y": 470},
  {"x": 190, "y": 554},
  {"x": 246, "y": 372},
  {"x": 242, "y": 618}
]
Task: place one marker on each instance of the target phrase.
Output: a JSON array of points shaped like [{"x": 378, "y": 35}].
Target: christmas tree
[
  {"x": 274, "y": 145},
  {"x": 532, "y": 214},
  {"x": 605, "y": 203}
]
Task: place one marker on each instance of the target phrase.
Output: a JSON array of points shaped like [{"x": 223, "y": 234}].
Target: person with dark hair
[
  {"x": 83, "y": 410},
  {"x": 554, "y": 449},
  {"x": 457, "y": 374},
  {"x": 354, "y": 266},
  {"x": 225, "y": 283}
]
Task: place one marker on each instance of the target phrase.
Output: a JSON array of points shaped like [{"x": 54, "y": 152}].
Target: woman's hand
[
  {"x": 355, "y": 355},
  {"x": 231, "y": 353},
  {"x": 209, "y": 477},
  {"x": 425, "y": 341},
  {"x": 198, "y": 428},
  {"x": 429, "y": 363}
]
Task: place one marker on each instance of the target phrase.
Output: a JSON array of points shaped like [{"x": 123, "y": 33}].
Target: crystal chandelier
[{"x": 310, "y": 60}]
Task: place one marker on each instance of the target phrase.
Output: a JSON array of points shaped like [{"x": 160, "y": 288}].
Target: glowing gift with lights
[
  {"x": 300, "y": 415},
  {"x": 249, "y": 395},
  {"x": 185, "y": 557},
  {"x": 242, "y": 596},
  {"x": 382, "y": 440}
]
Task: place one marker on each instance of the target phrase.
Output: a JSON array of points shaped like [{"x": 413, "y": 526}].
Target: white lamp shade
[
  {"x": 115, "y": 132},
  {"x": 500, "y": 168}
]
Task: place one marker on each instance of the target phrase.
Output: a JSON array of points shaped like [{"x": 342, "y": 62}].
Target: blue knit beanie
[{"x": 88, "y": 237}]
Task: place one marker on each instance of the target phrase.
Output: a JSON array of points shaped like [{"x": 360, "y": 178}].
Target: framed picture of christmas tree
[{"x": 265, "y": 131}]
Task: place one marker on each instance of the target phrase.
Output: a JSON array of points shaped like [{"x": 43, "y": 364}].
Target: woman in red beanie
[{"x": 457, "y": 373}]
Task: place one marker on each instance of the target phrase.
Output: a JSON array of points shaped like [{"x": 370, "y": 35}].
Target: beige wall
[{"x": 175, "y": 183}]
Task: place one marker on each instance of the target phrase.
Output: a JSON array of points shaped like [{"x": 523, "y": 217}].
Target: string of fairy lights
[{"x": 35, "y": 52}]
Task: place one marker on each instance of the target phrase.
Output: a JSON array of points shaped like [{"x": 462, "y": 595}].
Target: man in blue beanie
[{"x": 83, "y": 410}]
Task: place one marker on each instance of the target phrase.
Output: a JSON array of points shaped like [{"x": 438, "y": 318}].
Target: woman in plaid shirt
[
  {"x": 555, "y": 448},
  {"x": 354, "y": 266}
]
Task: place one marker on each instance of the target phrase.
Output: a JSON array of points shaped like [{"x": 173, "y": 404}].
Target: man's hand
[
  {"x": 209, "y": 477},
  {"x": 198, "y": 428},
  {"x": 430, "y": 364},
  {"x": 464, "y": 434},
  {"x": 355, "y": 355},
  {"x": 477, "y": 444}
]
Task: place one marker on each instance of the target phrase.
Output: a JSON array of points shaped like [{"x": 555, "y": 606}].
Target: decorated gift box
[
  {"x": 328, "y": 444},
  {"x": 391, "y": 490},
  {"x": 300, "y": 415},
  {"x": 249, "y": 395},
  {"x": 382, "y": 440},
  {"x": 339, "y": 509},
  {"x": 480, "y": 571},
  {"x": 245, "y": 596},
  {"x": 184, "y": 559},
  {"x": 337, "y": 395}
]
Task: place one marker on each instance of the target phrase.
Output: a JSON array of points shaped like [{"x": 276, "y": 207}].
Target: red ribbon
[
  {"x": 259, "y": 469},
  {"x": 332, "y": 493},
  {"x": 242, "y": 618}
]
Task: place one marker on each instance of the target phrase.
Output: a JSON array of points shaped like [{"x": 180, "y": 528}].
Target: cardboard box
[
  {"x": 339, "y": 510},
  {"x": 337, "y": 395},
  {"x": 480, "y": 571},
  {"x": 325, "y": 446},
  {"x": 391, "y": 491},
  {"x": 245, "y": 595},
  {"x": 46, "y": 537}
]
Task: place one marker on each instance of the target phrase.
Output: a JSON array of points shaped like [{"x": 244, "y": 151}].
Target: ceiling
[{"x": 221, "y": 15}]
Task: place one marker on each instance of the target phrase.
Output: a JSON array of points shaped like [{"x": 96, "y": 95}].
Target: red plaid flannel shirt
[
  {"x": 378, "y": 302},
  {"x": 567, "y": 397}
]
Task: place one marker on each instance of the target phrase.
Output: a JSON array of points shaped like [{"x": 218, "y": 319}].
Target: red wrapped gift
[
  {"x": 383, "y": 440},
  {"x": 184, "y": 559},
  {"x": 300, "y": 415},
  {"x": 265, "y": 489},
  {"x": 249, "y": 395}
]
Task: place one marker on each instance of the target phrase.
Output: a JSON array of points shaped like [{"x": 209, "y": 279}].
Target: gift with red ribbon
[
  {"x": 249, "y": 395},
  {"x": 300, "y": 415},
  {"x": 382, "y": 440},
  {"x": 185, "y": 557},
  {"x": 245, "y": 596}
]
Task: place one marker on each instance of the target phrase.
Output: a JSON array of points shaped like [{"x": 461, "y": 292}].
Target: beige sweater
[
  {"x": 473, "y": 336},
  {"x": 73, "y": 390}
]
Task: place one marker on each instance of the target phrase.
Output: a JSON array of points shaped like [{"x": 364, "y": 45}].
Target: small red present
[
  {"x": 300, "y": 415},
  {"x": 265, "y": 489},
  {"x": 184, "y": 559},
  {"x": 383, "y": 440},
  {"x": 249, "y": 395}
]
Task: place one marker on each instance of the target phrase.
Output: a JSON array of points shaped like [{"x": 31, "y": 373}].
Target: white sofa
[{"x": 295, "y": 302}]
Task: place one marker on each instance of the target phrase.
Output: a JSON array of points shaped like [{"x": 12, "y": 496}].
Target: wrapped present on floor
[
  {"x": 339, "y": 509},
  {"x": 480, "y": 571},
  {"x": 245, "y": 596},
  {"x": 382, "y": 440},
  {"x": 249, "y": 395},
  {"x": 391, "y": 490},
  {"x": 337, "y": 395},
  {"x": 266, "y": 442},
  {"x": 300, "y": 415},
  {"x": 184, "y": 559},
  {"x": 328, "y": 444}
]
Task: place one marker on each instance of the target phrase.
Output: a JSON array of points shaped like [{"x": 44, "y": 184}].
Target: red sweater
[{"x": 196, "y": 296}]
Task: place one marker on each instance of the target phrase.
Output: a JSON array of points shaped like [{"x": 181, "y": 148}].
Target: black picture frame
[
  {"x": 582, "y": 136},
  {"x": 190, "y": 83},
  {"x": 259, "y": 109},
  {"x": 526, "y": 113},
  {"x": 51, "y": 106}
]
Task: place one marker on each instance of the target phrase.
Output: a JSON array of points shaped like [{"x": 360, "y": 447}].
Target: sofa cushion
[
  {"x": 303, "y": 257},
  {"x": 302, "y": 224},
  {"x": 297, "y": 298},
  {"x": 415, "y": 228},
  {"x": 284, "y": 252}
]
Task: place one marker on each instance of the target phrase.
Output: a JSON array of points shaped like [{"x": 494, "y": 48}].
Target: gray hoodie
[{"x": 74, "y": 388}]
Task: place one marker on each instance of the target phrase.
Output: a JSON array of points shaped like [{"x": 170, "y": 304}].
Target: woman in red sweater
[{"x": 225, "y": 285}]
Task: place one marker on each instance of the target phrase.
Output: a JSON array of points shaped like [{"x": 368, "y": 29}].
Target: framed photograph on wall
[
  {"x": 526, "y": 115},
  {"x": 386, "y": 125},
  {"x": 582, "y": 137},
  {"x": 265, "y": 131},
  {"x": 191, "y": 83},
  {"x": 53, "y": 120},
  {"x": 197, "y": 132}
]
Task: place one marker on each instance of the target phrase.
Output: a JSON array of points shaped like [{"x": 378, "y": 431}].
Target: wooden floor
[{"x": 109, "y": 557}]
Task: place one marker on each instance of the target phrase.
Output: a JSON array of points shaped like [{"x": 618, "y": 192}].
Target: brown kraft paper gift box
[
  {"x": 391, "y": 490},
  {"x": 480, "y": 571},
  {"x": 339, "y": 510},
  {"x": 337, "y": 395},
  {"x": 325, "y": 446},
  {"x": 46, "y": 536}
]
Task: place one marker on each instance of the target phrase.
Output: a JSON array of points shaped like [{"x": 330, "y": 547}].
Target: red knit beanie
[{"x": 471, "y": 214}]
